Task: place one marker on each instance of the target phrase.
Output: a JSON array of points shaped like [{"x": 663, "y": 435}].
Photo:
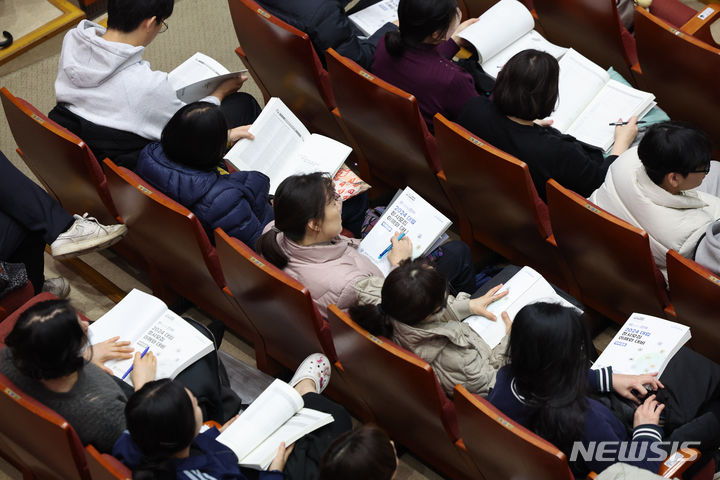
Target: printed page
[
  {"x": 614, "y": 101},
  {"x": 275, "y": 406},
  {"x": 372, "y": 18},
  {"x": 531, "y": 40},
  {"x": 278, "y": 134},
  {"x": 302, "y": 423},
  {"x": 128, "y": 319},
  {"x": 645, "y": 344},
  {"x": 580, "y": 81},
  {"x": 410, "y": 214},
  {"x": 198, "y": 76},
  {"x": 497, "y": 28}
]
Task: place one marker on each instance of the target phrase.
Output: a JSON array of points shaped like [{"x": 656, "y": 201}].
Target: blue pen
[
  {"x": 390, "y": 247},
  {"x": 131, "y": 367}
]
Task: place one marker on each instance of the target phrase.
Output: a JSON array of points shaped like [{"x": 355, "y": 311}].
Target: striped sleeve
[
  {"x": 649, "y": 432},
  {"x": 600, "y": 380}
]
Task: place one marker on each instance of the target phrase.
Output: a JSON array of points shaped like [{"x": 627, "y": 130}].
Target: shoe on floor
[
  {"x": 316, "y": 367},
  {"x": 86, "y": 235},
  {"x": 57, "y": 286}
]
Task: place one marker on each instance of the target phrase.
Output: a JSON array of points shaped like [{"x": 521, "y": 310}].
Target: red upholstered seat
[
  {"x": 12, "y": 301},
  {"x": 105, "y": 467},
  {"x": 7, "y": 325}
]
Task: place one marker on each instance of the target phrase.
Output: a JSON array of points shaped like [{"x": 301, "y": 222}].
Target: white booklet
[
  {"x": 525, "y": 287},
  {"x": 644, "y": 344},
  {"x": 590, "y": 100},
  {"x": 283, "y": 147},
  {"x": 410, "y": 214},
  {"x": 199, "y": 76},
  {"x": 146, "y": 322},
  {"x": 276, "y": 416},
  {"x": 374, "y": 17},
  {"x": 504, "y": 30}
]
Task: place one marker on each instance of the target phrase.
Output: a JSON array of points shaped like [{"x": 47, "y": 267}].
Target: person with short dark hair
[
  {"x": 655, "y": 187},
  {"x": 526, "y": 90},
  {"x": 360, "y": 454},
  {"x": 187, "y": 165}
]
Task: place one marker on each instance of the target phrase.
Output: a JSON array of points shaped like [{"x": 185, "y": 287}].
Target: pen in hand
[
  {"x": 131, "y": 366},
  {"x": 384, "y": 252},
  {"x": 616, "y": 124}
]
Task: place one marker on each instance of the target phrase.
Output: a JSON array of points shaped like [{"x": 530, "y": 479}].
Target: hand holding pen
[
  {"x": 400, "y": 248},
  {"x": 625, "y": 133},
  {"x": 143, "y": 368}
]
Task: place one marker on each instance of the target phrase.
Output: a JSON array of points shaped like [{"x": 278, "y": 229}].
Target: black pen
[{"x": 615, "y": 124}]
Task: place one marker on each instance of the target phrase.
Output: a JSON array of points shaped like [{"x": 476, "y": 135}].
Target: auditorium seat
[
  {"x": 475, "y": 8},
  {"x": 497, "y": 202},
  {"x": 609, "y": 258},
  {"x": 12, "y": 301},
  {"x": 104, "y": 466},
  {"x": 7, "y": 325},
  {"x": 391, "y": 136},
  {"x": 403, "y": 395},
  {"x": 695, "y": 293}
]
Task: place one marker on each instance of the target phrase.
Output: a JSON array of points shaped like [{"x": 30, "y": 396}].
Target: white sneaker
[
  {"x": 316, "y": 367},
  {"x": 86, "y": 235},
  {"x": 57, "y": 286}
]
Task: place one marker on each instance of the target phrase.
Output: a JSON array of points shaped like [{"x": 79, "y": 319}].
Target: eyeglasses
[
  {"x": 704, "y": 170},
  {"x": 164, "y": 27}
]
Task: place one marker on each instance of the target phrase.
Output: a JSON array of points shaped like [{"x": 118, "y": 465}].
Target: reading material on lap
[
  {"x": 276, "y": 416},
  {"x": 145, "y": 321},
  {"x": 374, "y": 17},
  {"x": 645, "y": 344},
  {"x": 199, "y": 76},
  {"x": 283, "y": 147},
  {"x": 525, "y": 287}
]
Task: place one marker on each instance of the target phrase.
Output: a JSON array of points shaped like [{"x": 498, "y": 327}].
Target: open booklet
[
  {"x": 145, "y": 321},
  {"x": 371, "y": 19},
  {"x": 644, "y": 344},
  {"x": 199, "y": 76},
  {"x": 410, "y": 214},
  {"x": 590, "y": 100},
  {"x": 276, "y": 416},
  {"x": 283, "y": 147},
  {"x": 503, "y": 30},
  {"x": 525, "y": 287}
]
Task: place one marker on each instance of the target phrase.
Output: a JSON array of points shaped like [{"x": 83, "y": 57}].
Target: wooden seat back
[{"x": 105, "y": 467}]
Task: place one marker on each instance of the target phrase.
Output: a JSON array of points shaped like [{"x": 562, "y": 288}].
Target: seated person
[
  {"x": 187, "y": 165},
  {"x": 672, "y": 11},
  {"x": 327, "y": 24},
  {"x": 360, "y": 454},
  {"x": 527, "y": 89},
  {"x": 31, "y": 219},
  {"x": 654, "y": 187},
  {"x": 548, "y": 388},
  {"x": 417, "y": 57},
  {"x": 306, "y": 243},
  {"x": 104, "y": 82},
  {"x": 164, "y": 422},
  {"x": 412, "y": 307}
]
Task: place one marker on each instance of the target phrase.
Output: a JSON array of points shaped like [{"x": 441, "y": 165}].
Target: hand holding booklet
[
  {"x": 198, "y": 77},
  {"x": 276, "y": 416}
]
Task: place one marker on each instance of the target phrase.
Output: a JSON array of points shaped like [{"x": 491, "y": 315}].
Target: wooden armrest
[
  {"x": 592, "y": 475},
  {"x": 678, "y": 462},
  {"x": 699, "y": 25},
  {"x": 463, "y": 53},
  {"x": 211, "y": 424}
]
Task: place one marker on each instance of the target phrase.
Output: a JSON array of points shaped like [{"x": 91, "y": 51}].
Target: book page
[
  {"x": 530, "y": 41},
  {"x": 275, "y": 406},
  {"x": 198, "y": 76},
  {"x": 372, "y": 18},
  {"x": 645, "y": 344},
  {"x": 410, "y": 214},
  {"x": 498, "y": 28},
  {"x": 580, "y": 80},
  {"x": 128, "y": 319},
  {"x": 302, "y": 423},
  {"x": 278, "y": 134},
  {"x": 615, "y": 101}
]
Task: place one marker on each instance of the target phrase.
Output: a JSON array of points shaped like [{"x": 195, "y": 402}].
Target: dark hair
[
  {"x": 298, "y": 199},
  {"x": 161, "y": 422},
  {"x": 673, "y": 147},
  {"x": 196, "y": 136},
  {"x": 127, "y": 15},
  {"x": 360, "y": 454},
  {"x": 419, "y": 19},
  {"x": 549, "y": 358},
  {"x": 411, "y": 292},
  {"x": 47, "y": 341},
  {"x": 527, "y": 86}
]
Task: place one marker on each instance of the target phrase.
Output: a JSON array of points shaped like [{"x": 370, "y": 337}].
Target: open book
[
  {"x": 589, "y": 100},
  {"x": 283, "y": 147},
  {"x": 503, "y": 30},
  {"x": 408, "y": 213},
  {"x": 276, "y": 416},
  {"x": 374, "y": 17},
  {"x": 645, "y": 344},
  {"x": 145, "y": 321},
  {"x": 198, "y": 76},
  {"x": 525, "y": 287}
]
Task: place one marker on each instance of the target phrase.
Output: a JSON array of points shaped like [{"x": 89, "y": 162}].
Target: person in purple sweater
[
  {"x": 417, "y": 57},
  {"x": 548, "y": 388}
]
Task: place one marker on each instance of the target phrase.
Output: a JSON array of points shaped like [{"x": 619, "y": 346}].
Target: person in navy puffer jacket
[{"x": 187, "y": 165}]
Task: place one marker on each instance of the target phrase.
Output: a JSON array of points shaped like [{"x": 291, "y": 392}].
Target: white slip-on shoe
[
  {"x": 316, "y": 367},
  {"x": 57, "y": 286},
  {"x": 86, "y": 235}
]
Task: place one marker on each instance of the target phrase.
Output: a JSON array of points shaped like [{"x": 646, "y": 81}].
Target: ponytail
[
  {"x": 373, "y": 319},
  {"x": 267, "y": 246},
  {"x": 394, "y": 43},
  {"x": 155, "y": 469}
]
